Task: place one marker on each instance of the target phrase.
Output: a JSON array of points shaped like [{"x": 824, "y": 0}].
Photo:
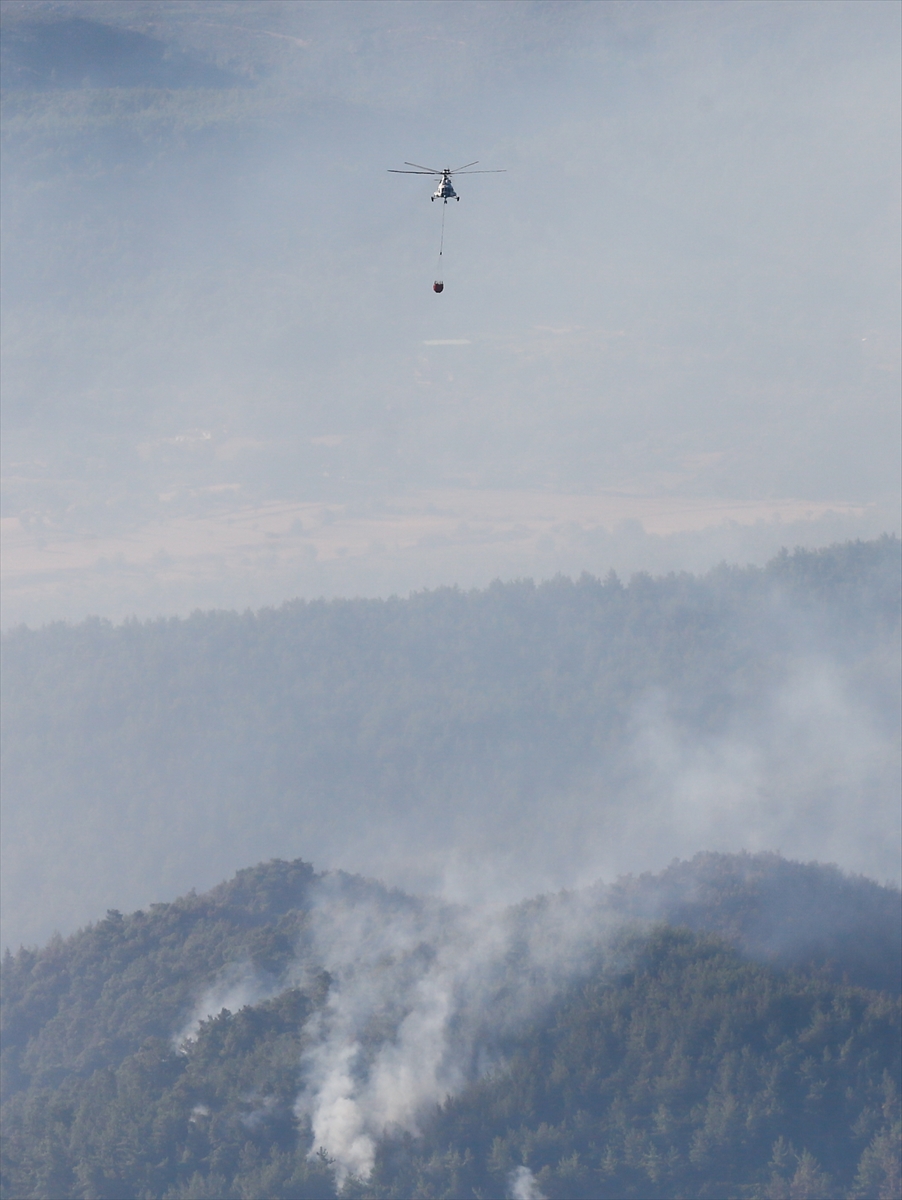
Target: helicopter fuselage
[{"x": 445, "y": 190}]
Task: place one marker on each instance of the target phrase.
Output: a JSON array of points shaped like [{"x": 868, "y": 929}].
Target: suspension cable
[{"x": 438, "y": 286}]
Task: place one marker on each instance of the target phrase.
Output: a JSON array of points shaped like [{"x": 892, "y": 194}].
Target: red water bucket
[{"x": 437, "y": 286}]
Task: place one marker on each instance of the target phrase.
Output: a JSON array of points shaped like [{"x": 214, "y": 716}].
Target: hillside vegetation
[
  {"x": 543, "y": 733},
  {"x": 662, "y": 1062}
]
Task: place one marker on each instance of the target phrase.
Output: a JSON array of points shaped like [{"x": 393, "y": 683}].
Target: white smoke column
[
  {"x": 238, "y": 985},
  {"x": 813, "y": 772},
  {"x": 522, "y": 1185},
  {"x": 420, "y": 993}
]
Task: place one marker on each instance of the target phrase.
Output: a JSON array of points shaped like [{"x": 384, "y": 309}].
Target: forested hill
[
  {"x": 520, "y": 738},
  {"x": 207, "y": 1047}
]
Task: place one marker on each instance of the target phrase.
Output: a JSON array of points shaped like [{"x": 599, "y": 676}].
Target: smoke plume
[{"x": 422, "y": 1000}]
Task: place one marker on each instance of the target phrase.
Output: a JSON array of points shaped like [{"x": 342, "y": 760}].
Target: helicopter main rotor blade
[
  {"x": 395, "y": 171},
  {"x": 503, "y": 171},
  {"x": 429, "y": 170},
  {"x": 456, "y": 169}
]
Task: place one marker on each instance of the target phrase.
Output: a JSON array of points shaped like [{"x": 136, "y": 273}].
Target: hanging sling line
[{"x": 439, "y": 285}]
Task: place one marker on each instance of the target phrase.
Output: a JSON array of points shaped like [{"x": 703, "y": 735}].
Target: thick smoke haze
[
  {"x": 668, "y": 335},
  {"x": 421, "y": 998},
  {"x": 478, "y": 746}
]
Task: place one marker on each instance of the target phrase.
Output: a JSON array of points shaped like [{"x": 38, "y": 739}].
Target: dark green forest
[
  {"x": 142, "y": 759},
  {"x": 726, "y": 1027},
  {"x": 739, "y": 1044}
]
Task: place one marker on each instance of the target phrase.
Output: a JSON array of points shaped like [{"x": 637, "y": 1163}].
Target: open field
[{"x": 283, "y": 548}]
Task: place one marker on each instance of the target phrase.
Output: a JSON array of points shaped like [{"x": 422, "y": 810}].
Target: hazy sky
[{"x": 668, "y": 335}]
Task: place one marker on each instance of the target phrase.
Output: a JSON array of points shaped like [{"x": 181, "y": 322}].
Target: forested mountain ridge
[
  {"x": 693, "y": 1075},
  {"x": 671, "y": 1065},
  {"x": 368, "y": 733},
  {"x": 778, "y": 912}
]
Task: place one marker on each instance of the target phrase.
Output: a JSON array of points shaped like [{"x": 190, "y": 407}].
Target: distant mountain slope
[
  {"x": 515, "y": 739},
  {"x": 692, "y": 1075},
  {"x": 776, "y": 911},
  {"x": 636, "y": 1063}
]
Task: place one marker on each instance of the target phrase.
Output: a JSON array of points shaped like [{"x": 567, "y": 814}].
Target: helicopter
[{"x": 445, "y": 190}]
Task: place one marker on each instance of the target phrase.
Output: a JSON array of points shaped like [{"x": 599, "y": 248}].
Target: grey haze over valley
[
  {"x": 668, "y": 340},
  {"x": 668, "y": 336}
]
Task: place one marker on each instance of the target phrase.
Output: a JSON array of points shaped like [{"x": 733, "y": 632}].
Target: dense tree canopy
[
  {"x": 694, "y": 1074},
  {"x": 361, "y": 732},
  {"x": 677, "y": 1066}
]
